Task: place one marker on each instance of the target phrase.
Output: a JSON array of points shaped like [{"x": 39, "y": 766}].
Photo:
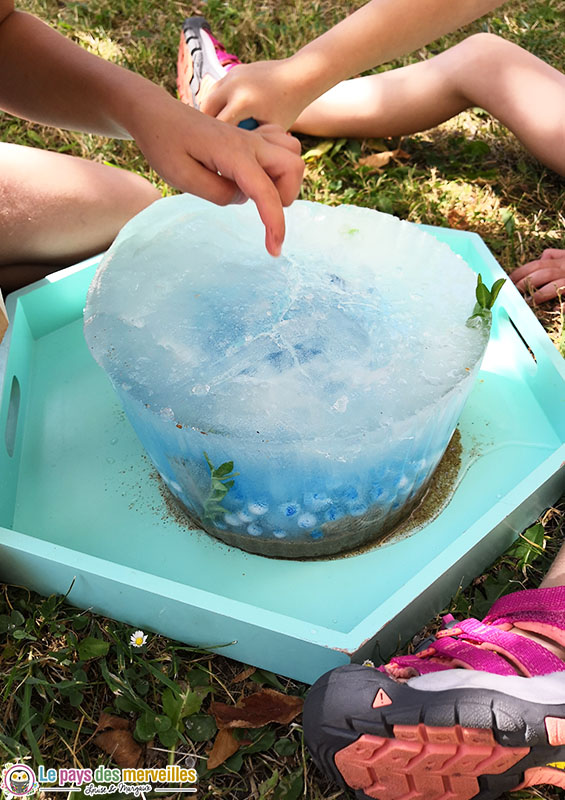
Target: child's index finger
[{"x": 255, "y": 183}]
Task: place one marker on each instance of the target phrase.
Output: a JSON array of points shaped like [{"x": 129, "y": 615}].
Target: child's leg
[
  {"x": 524, "y": 93},
  {"x": 397, "y": 102},
  {"x": 556, "y": 573},
  {"x": 57, "y": 209}
]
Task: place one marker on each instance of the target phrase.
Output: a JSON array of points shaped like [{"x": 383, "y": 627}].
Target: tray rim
[
  {"x": 349, "y": 641},
  {"x": 352, "y": 641}
]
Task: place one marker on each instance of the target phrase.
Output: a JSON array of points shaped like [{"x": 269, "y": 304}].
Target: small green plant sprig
[
  {"x": 486, "y": 298},
  {"x": 221, "y": 481}
]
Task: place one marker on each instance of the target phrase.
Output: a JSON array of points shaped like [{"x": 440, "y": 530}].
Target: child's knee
[
  {"x": 134, "y": 193},
  {"x": 474, "y": 61},
  {"x": 483, "y": 49}
]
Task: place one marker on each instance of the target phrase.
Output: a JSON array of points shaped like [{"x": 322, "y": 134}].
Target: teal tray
[{"x": 81, "y": 508}]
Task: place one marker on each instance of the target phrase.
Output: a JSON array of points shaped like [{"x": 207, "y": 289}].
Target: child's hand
[
  {"x": 189, "y": 149},
  {"x": 548, "y": 272},
  {"x": 268, "y": 91},
  {"x": 54, "y": 81}
]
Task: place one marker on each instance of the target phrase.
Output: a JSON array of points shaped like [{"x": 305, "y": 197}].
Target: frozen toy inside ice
[{"x": 296, "y": 406}]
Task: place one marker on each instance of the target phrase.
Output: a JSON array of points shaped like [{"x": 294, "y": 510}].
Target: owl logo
[{"x": 19, "y": 780}]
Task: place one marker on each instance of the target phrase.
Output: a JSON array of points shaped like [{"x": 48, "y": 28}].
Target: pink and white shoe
[
  {"x": 480, "y": 711},
  {"x": 202, "y": 61}
]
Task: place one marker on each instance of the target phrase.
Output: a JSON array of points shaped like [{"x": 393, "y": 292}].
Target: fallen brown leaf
[
  {"x": 225, "y": 745},
  {"x": 378, "y": 160},
  {"x": 108, "y": 721},
  {"x": 457, "y": 219},
  {"x": 257, "y": 710},
  {"x": 242, "y": 676},
  {"x": 115, "y": 738}
]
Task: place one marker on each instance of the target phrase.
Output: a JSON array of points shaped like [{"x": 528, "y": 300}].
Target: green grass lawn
[{"x": 61, "y": 668}]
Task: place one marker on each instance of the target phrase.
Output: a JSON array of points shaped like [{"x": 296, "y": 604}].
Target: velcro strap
[
  {"x": 543, "y": 606},
  {"x": 421, "y": 665},
  {"x": 530, "y": 657},
  {"x": 474, "y": 657}
]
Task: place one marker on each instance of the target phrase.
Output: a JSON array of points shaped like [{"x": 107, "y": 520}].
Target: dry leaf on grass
[
  {"x": 402, "y": 154},
  {"x": 376, "y": 161},
  {"x": 457, "y": 219},
  {"x": 225, "y": 745},
  {"x": 115, "y": 738},
  {"x": 242, "y": 676},
  {"x": 257, "y": 710}
]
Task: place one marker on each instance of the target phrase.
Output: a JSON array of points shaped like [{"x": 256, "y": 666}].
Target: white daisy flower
[
  {"x": 368, "y": 663},
  {"x": 138, "y": 639}
]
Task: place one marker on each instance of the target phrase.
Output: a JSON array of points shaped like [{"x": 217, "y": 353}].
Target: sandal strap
[
  {"x": 529, "y": 657},
  {"x": 449, "y": 653},
  {"x": 486, "y": 646},
  {"x": 542, "y": 606},
  {"x": 476, "y": 658},
  {"x": 538, "y": 610},
  {"x": 418, "y": 665},
  {"x": 473, "y": 645}
]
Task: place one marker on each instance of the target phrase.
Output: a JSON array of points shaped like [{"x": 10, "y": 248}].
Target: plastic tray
[{"x": 80, "y": 504}]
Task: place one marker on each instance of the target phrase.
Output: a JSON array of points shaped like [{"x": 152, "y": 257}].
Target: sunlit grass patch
[{"x": 102, "y": 46}]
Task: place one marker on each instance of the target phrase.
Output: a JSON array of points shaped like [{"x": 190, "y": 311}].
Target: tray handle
[{"x": 12, "y": 416}]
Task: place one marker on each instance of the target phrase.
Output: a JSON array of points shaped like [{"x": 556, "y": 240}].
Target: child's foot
[
  {"x": 418, "y": 729},
  {"x": 202, "y": 61}
]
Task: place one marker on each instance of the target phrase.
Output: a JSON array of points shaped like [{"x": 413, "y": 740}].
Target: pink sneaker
[
  {"x": 202, "y": 61},
  {"x": 418, "y": 729}
]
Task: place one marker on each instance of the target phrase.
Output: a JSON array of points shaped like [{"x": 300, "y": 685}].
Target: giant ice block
[{"x": 295, "y": 407}]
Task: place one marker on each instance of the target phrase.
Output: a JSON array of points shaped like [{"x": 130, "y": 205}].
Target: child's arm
[
  {"x": 520, "y": 90},
  {"x": 47, "y": 78},
  {"x": 277, "y": 91}
]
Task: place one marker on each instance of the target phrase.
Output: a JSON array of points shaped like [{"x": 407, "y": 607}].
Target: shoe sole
[{"x": 393, "y": 741}]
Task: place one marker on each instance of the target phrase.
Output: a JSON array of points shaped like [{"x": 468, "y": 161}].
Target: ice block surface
[
  {"x": 360, "y": 322},
  {"x": 343, "y": 348}
]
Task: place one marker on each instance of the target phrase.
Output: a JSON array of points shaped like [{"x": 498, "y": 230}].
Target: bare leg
[
  {"x": 57, "y": 209},
  {"x": 523, "y": 92},
  {"x": 556, "y": 573}
]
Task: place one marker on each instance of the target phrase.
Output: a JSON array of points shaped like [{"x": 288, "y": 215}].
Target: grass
[{"x": 61, "y": 668}]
